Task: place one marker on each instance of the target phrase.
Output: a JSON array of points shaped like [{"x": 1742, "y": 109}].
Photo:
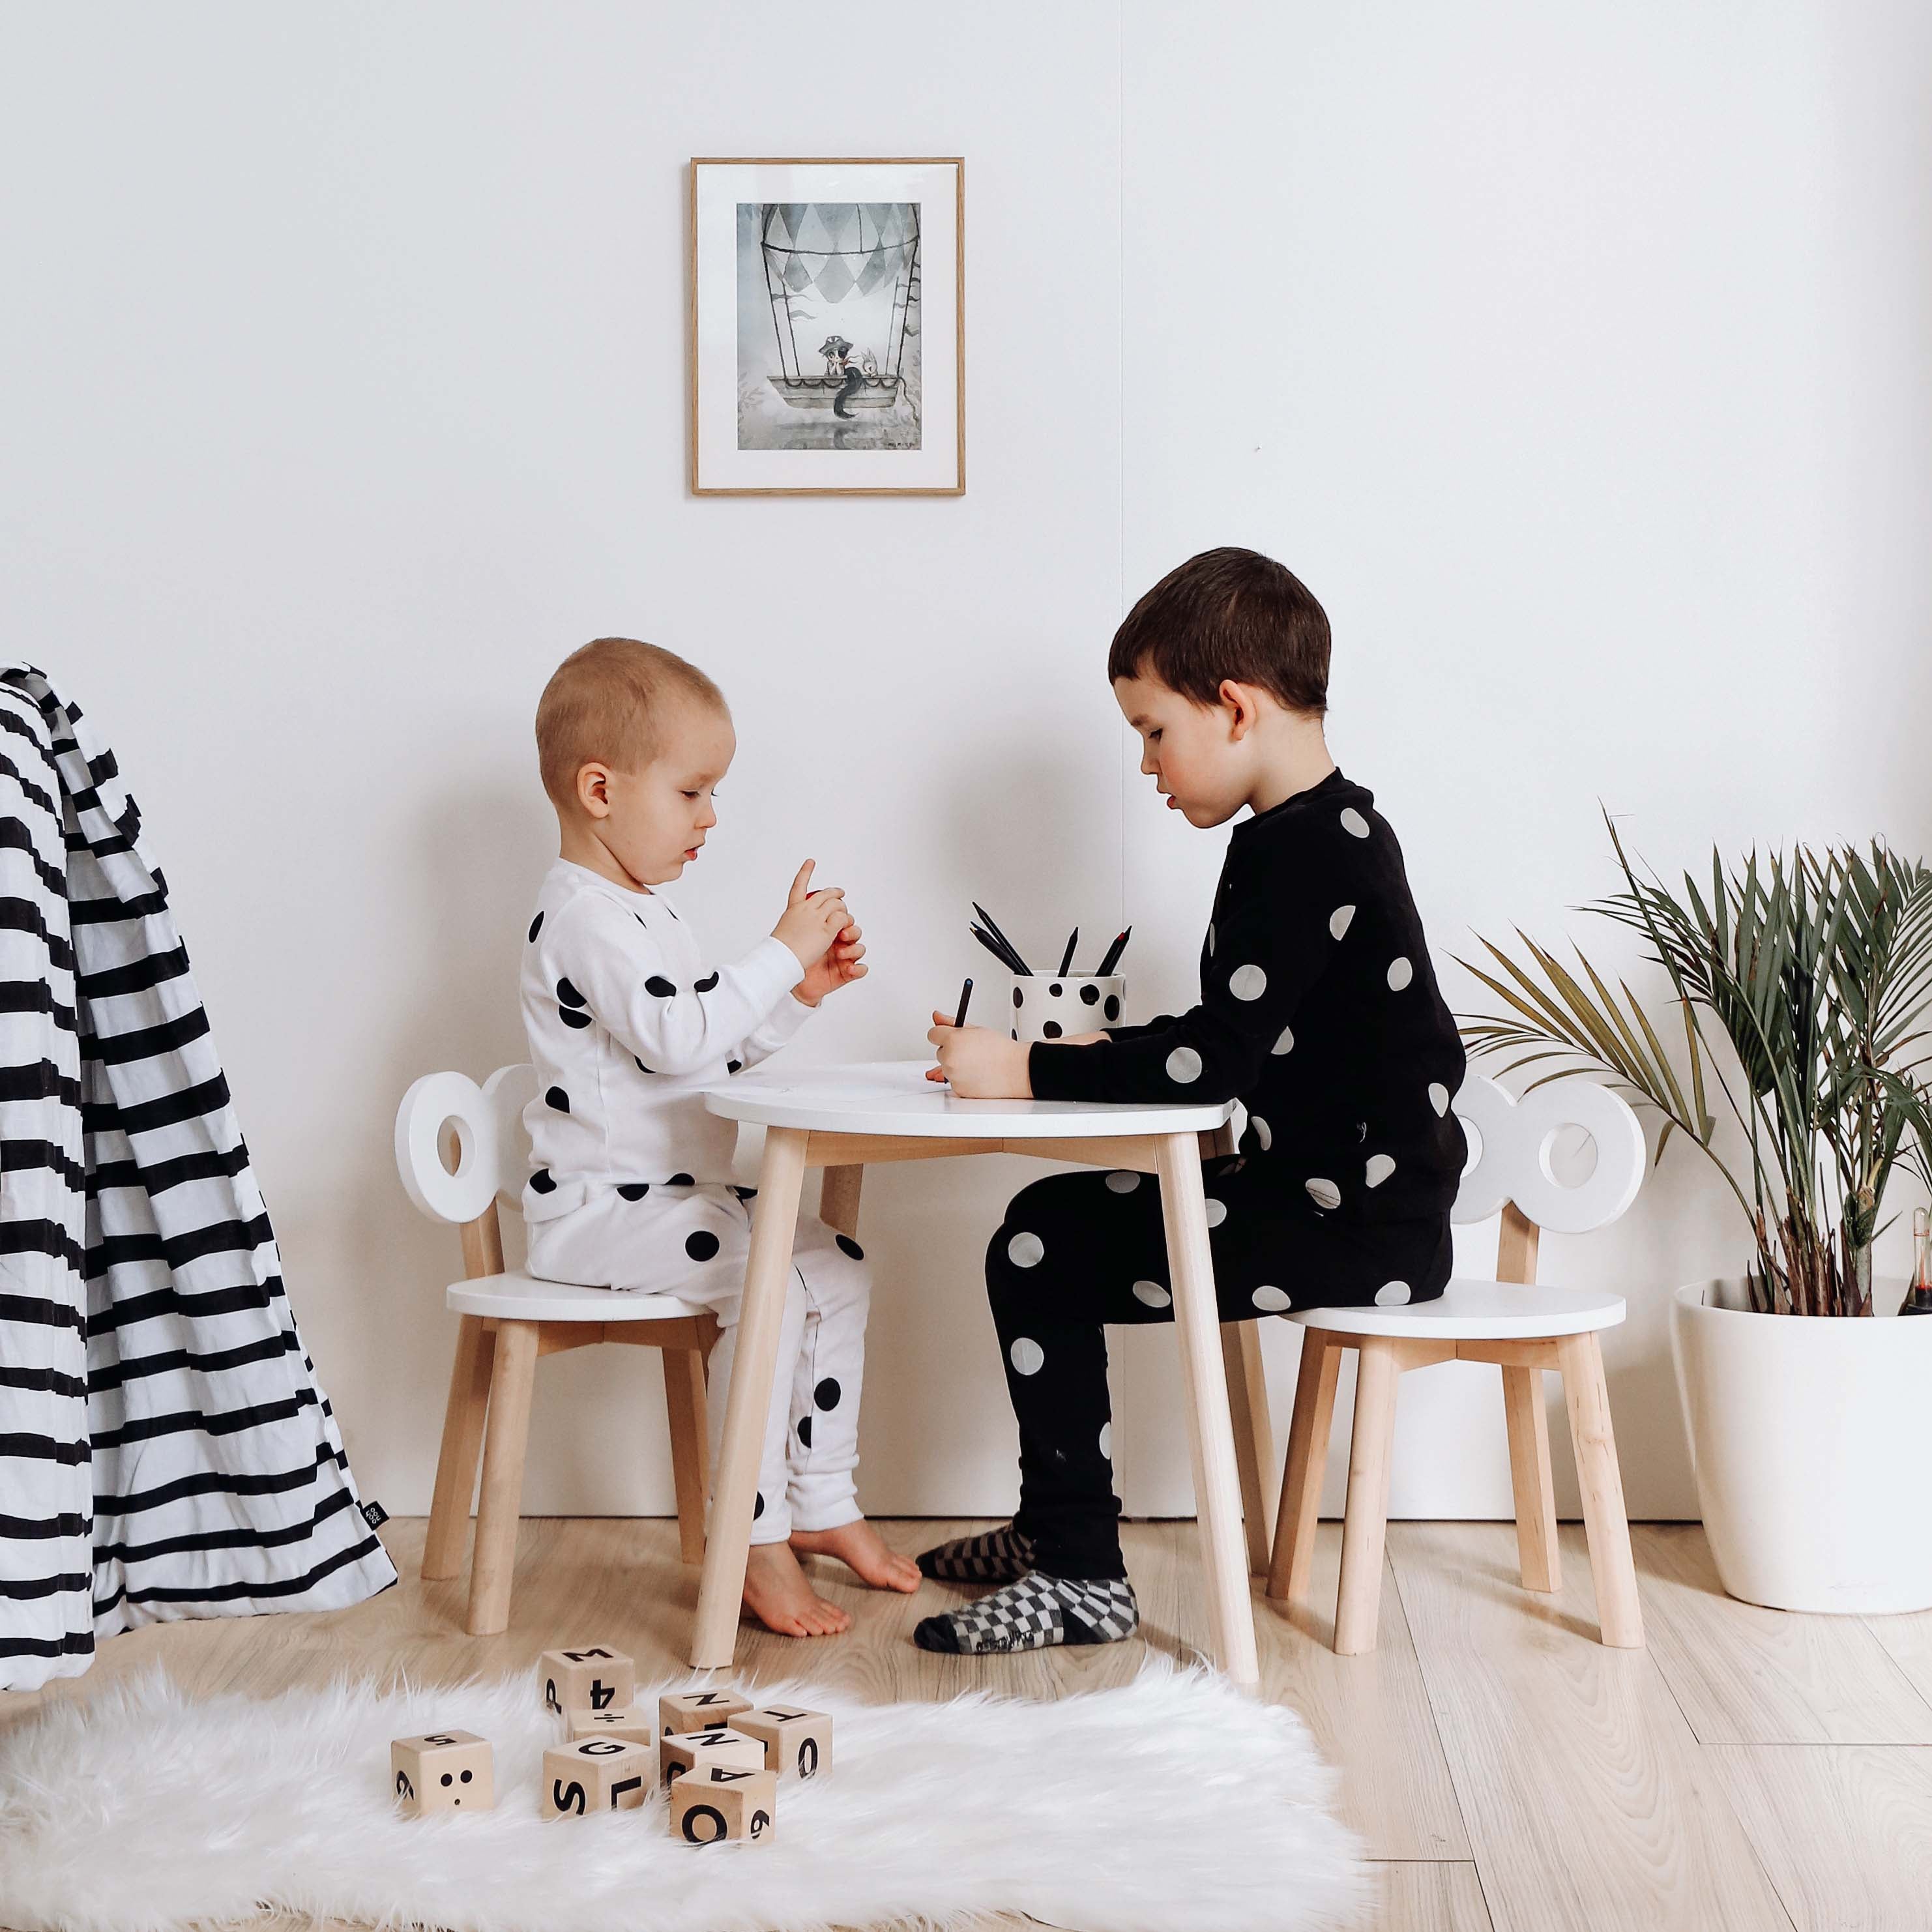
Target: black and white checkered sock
[
  {"x": 997, "y": 1557},
  {"x": 1036, "y": 1613}
]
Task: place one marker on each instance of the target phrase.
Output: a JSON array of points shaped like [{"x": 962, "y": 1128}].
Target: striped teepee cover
[{"x": 165, "y": 1451}]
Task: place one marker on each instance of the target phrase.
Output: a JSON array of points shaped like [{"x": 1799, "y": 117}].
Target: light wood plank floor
[{"x": 1749, "y": 1771}]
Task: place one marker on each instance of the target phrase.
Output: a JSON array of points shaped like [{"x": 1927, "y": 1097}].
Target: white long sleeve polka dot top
[
  {"x": 627, "y": 1025},
  {"x": 1319, "y": 1011}
]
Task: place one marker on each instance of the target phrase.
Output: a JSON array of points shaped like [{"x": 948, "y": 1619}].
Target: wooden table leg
[
  {"x": 1307, "y": 1463},
  {"x": 838, "y": 1199},
  {"x": 1210, "y": 1433},
  {"x": 754, "y": 1360}
]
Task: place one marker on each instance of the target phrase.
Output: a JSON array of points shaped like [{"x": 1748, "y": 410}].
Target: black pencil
[
  {"x": 992, "y": 926},
  {"x": 1000, "y": 952},
  {"x": 1111, "y": 958},
  {"x": 965, "y": 996},
  {"x": 1066, "y": 960}
]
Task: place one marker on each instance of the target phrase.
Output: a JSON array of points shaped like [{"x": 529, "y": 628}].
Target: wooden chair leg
[
  {"x": 462, "y": 1441},
  {"x": 502, "y": 1501},
  {"x": 1358, "y": 1602},
  {"x": 1537, "y": 1553},
  {"x": 1307, "y": 1463},
  {"x": 1619, "y": 1615},
  {"x": 684, "y": 1401},
  {"x": 1254, "y": 1435}
]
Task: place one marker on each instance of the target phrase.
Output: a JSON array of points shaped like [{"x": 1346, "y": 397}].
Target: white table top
[{"x": 894, "y": 1097}]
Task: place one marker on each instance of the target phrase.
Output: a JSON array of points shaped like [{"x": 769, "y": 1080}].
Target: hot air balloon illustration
[{"x": 858, "y": 258}]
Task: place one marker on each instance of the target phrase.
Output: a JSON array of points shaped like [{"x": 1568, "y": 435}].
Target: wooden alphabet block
[
  {"x": 625, "y": 1720},
  {"x": 711, "y": 1804},
  {"x": 683, "y": 1751},
  {"x": 699, "y": 1710},
  {"x": 593, "y": 1678},
  {"x": 444, "y": 1770},
  {"x": 594, "y": 1774},
  {"x": 798, "y": 1744}
]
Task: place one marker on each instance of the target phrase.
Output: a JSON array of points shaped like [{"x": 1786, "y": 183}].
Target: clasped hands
[{"x": 821, "y": 931}]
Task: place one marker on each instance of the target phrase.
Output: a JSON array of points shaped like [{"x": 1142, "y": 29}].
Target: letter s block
[
  {"x": 593, "y": 1678},
  {"x": 444, "y": 1770},
  {"x": 798, "y": 1744},
  {"x": 594, "y": 1775},
  {"x": 711, "y": 1805}
]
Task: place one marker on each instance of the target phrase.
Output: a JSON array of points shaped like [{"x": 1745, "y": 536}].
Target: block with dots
[
  {"x": 698, "y": 1710},
  {"x": 594, "y": 1775},
  {"x": 682, "y": 1751},
  {"x": 595, "y": 1678},
  {"x": 628, "y": 1721},
  {"x": 716, "y": 1805},
  {"x": 443, "y": 1771},
  {"x": 798, "y": 1743}
]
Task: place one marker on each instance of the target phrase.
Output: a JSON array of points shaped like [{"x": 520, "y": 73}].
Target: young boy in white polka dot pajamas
[
  {"x": 1318, "y": 1010},
  {"x": 632, "y": 1187}
]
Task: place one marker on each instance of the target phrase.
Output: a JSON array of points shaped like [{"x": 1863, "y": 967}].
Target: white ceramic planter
[{"x": 1810, "y": 1435}]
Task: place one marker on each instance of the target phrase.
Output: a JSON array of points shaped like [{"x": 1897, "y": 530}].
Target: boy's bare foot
[
  {"x": 861, "y": 1547},
  {"x": 778, "y": 1594}
]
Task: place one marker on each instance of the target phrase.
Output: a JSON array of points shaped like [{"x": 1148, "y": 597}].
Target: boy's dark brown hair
[{"x": 1228, "y": 613}]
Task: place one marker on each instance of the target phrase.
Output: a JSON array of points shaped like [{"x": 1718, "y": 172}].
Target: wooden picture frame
[{"x": 781, "y": 251}]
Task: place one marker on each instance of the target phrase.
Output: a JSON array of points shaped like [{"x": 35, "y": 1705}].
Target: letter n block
[
  {"x": 711, "y": 1805},
  {"x": 798, "y": 1744},
  {"x": 699, "y": 1710},
  {"x": 594, "y": 1775},
  {"x": 593, "y": 1678},
  {"x": 685, "y": 1751},
  {"x": 445, "y": 1770}
]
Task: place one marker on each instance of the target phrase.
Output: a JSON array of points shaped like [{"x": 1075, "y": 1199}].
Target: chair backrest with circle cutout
[
  {"x": 1512, "y": 1141},
  {"x": 493, "y": 1149}
]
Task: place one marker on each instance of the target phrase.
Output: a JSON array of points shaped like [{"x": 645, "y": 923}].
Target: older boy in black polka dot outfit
[
  {"x": 1318, "y": 1010},
  {"x": 628, "y": 1024}
]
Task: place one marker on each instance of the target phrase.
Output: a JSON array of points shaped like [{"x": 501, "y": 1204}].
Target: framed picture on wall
[{"x": 828, "y": 304}]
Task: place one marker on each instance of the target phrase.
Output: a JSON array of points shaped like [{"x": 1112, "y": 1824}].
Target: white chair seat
[
  {"x": 1478, "y": 1311},
  {"x": 523, "y": 1297}
]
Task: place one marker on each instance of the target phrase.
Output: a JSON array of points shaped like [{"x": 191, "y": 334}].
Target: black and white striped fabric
[{"x": 165, "y": 1451}]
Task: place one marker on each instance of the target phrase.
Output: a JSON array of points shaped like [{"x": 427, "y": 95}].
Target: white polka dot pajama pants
[
  {"x": 1079, "y": 1250},
  {"x": 692, "y": 1242}
]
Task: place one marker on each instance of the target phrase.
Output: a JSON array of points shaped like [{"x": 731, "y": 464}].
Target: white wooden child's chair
[
  {"x": 1522, "y": 1328},
  {"x": 508, "y": 1320}
]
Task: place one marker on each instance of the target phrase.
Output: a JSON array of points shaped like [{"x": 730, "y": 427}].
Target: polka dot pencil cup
[{"x": 1058, "y": 1008}]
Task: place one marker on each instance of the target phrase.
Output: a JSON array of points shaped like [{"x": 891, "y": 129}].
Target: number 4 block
[
  {"x": 594, "y": 1774},
  {"x": 593, "y": 1678}
]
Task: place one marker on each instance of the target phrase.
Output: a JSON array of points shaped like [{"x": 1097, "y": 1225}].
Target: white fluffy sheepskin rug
[{"x": 1173, "y": 1801}]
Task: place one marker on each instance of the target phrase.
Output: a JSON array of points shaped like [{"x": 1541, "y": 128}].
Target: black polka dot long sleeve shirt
[{"x": 1319, "y": 1011}]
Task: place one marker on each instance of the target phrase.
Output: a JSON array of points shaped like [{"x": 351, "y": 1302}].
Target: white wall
[{"x": 1579, "y": 358}]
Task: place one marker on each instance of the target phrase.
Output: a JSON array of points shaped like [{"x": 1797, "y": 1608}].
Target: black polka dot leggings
[{"x": 1079, "y": 1250}]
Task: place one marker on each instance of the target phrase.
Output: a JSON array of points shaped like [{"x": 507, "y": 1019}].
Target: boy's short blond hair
[{"x": 606, "y": 703}]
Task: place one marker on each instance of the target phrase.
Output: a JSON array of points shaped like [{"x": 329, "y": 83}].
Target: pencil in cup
[{"x": 1060, "y": 1007}]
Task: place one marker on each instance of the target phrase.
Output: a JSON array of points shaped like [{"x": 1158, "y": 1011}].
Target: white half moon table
[{"x": 843, "y": 1118}]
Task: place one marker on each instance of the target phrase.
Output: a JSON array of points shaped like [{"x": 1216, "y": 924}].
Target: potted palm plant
[{"x": 1798, "y": 989}]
